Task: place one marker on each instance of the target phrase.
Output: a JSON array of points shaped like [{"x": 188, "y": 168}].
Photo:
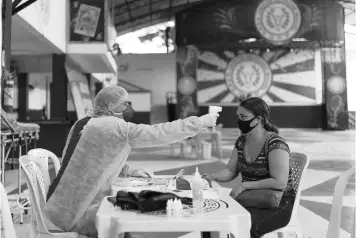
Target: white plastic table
[{"x": 229, "y": 217}]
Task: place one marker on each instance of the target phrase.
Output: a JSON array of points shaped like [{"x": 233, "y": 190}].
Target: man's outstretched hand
[{"x": 209, "y": 120}]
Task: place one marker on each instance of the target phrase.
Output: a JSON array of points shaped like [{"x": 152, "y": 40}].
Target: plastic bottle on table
[{"x": 197, "y": 189}]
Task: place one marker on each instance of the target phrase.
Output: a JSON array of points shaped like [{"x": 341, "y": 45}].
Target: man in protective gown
[{"x": 100, "y": 155}]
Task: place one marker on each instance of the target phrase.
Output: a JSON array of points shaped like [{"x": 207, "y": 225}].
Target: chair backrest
[
  {"x": 36, "y": 189},
  {"x": 41, "y": 158},
  {"x": 299, "y": 164},
  {"x": 336, "y": 207},
  {"x": 5, "y": 215},
  {"x": 43, "y": 155}
]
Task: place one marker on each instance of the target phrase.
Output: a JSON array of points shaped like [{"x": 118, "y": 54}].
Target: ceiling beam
[
  {"x": 173, "y": 10},
  {"x": 123, "y": 4},
  {"x": 17, "y": 8},
  {"x": 150, "y": 9},
  {"x": 128, "y": 10}
]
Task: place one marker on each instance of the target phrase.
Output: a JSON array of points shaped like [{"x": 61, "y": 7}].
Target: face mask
[
  {"x": 128, "y": 113},
  {"x": 244, "y": 126}
]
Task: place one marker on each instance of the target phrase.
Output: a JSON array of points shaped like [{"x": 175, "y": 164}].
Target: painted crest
[
  {"x": 248, "y": 74},
  {"x": 336, "y": 84},
  {"x": 278, "y": 21}
]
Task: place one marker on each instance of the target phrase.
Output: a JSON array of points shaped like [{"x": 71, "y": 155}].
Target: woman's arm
[
  {"x": 279, "y": 170},
  {"x": 231, "y": 170}
]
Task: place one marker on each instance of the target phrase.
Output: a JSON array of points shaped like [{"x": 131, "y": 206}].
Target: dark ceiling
[{"x": 131, "y": 15}]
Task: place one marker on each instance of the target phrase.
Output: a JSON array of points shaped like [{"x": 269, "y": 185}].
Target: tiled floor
[{"x": 331, "y": 153}]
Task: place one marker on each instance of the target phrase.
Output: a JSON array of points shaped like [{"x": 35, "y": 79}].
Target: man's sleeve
[
  {"x": 164, "y": 133},
  {"x": 67, "y": 142}
]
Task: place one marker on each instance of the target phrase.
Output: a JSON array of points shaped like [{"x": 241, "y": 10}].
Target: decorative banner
[
  {"x": 335, "y": 88},
  {"x": 283, "y": 77},
  {"x": 273, "y": 21},
  {"x": 87, "y": 21},
  {"x": 80, "y": 92},
  {"x": 186, "y": 81}
]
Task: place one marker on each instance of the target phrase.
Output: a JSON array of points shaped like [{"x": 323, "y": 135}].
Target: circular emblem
[
  {"x": 278, "y": 20},
  {"x": 248, "y": 74},
  {"x": 187, "y": 85},
  {"x": 336, "y": 84}
]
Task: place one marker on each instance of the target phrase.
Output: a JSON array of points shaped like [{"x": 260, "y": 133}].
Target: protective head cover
[{"x": 108, "y": 99}]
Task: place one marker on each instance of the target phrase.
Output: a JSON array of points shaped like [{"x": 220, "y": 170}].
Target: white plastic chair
[
  {"x": 5, "y": 215},
  {"x": 43, "y": 155},
  {"x": 35, "y": 184},
  {"x": 336, "y": 208},
  {"x": 41, "y": 158},
  {"x": 299, "y": 164}
]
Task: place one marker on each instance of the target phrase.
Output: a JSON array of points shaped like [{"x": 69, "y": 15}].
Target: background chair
[
  {"x": 336, "y": 207},
  {"x": 43, "y": 155},
  {"x": 40, "y": 157},
  {"x": 5, "y": 214},
  {"x": 299, "y": 164},
  {"x": 35, "y": 184}
]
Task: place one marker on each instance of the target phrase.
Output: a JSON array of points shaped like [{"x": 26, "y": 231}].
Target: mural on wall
[
  {"x": 282, "y": 76},
  {"x": 186, "y": 81},
  {"x": 87, "y": 21},
  {"x": 275, "y": 22},
  {"x": 44, "y": 9},
  {"x": 335, "y": 88}
]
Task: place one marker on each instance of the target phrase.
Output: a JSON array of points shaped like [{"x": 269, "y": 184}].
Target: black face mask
[
  {"x": 244, "y": 126},
  {"x": 128, "y": 113}
]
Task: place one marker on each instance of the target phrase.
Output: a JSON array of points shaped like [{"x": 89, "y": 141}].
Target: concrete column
[
  {"x": 6, "y": 8},
  {"x": 1, "y": 41},
  {"x": 59, "y": 88},
  {"x": 98, "y": 87},
  {"x": 22, "y": 79}
]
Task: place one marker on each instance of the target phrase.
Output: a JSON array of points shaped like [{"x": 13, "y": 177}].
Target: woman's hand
[
  {"x": 236, "y": 191},
  {"x": 141, "y": 173}
]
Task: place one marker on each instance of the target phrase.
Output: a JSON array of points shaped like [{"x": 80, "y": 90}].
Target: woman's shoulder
[
  {"x": 275, "y": 141},
  {"x": 239, "y": 141}
]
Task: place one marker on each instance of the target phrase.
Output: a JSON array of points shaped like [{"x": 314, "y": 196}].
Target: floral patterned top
[{"x": 258, "y": 169}]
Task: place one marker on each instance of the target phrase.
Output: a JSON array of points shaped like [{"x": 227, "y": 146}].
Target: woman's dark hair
[{"x": 259, "y": 108}]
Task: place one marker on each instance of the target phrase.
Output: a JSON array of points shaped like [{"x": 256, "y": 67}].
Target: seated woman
[{"x": 262, "y": 157}]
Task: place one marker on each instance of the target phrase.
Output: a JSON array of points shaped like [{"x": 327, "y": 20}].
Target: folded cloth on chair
[
  {"x": 27, "y": 126},
  {"x": 145, "y": 201}
]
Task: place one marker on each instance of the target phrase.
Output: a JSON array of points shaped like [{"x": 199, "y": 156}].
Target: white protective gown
[{"x": 97, "y": 161}]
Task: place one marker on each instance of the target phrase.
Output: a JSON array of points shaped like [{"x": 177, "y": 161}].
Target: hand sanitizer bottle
[
  {"x": 169, "y": 207},
  {"x": 197, "y": 189}
]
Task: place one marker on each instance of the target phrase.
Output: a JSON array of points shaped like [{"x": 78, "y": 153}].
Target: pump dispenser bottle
[{"x": 197, "y": 189}]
